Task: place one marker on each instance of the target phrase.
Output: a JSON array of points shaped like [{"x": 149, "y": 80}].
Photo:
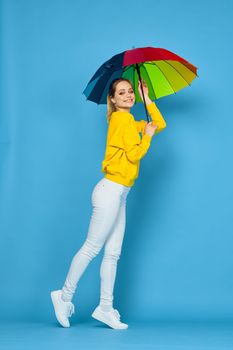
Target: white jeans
[{"x": 107, "y": 227}]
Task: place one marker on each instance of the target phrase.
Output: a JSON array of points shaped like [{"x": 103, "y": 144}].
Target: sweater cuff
[{"x": 147, "y": 139}]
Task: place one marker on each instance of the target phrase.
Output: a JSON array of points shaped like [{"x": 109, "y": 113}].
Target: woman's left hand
[{"x": 145, "y": 88}]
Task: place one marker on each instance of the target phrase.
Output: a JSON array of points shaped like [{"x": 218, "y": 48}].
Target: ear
[{"x": 113, "y": 100}]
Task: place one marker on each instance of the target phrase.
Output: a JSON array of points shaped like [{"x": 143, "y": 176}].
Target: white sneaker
[
  {"x": 63, "y": 309},
  {"x": 111, "y": 318}
]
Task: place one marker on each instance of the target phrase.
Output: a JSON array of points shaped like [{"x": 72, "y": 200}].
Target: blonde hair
[{"x": 111, "y": 92}]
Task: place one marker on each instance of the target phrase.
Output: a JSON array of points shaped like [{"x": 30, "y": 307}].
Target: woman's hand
[
  {"x": 145, "y": 90},
  {"x": 150, "y": 128}
]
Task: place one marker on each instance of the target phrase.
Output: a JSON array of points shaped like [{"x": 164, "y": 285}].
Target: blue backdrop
[{"x": 176, "y": 260}]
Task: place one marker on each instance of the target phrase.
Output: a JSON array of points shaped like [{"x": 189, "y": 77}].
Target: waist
[
  {"x": 115, "y": 184},
  {"x": 118, "y": 179},
  {"x": 121, "y": 171}
]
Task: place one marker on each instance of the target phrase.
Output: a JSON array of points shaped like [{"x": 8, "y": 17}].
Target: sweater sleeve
[
  {"x": 125, "y": 136},
  {"x": 135, "y": 148},
  {"x": 156, "y": 117},
  {"x": 115, "y": 135},
  {"x": 140, "y": 125}
]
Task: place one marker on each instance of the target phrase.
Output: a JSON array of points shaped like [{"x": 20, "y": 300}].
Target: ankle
[
  {"x": 65, "y": 299},
  {"x": 105, "y": 307}
]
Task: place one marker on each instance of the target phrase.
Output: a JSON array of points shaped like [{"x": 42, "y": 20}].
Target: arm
[
  {"x": 156, "y": 117},
  {"x": 152, "y": 108},
  {"x": 140, "y": 125},
  {"x": 135, "y": 148},
  {"x": 123, "y": 135}
]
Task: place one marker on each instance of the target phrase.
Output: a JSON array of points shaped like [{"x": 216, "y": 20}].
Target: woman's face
[{"x": 124, "y": 97}]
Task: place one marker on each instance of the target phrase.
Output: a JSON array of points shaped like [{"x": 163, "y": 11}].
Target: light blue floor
[{"x": 95, "y": 335}]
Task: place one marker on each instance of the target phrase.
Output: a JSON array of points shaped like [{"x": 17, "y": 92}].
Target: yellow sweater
[{"x": 125, "y": 147}]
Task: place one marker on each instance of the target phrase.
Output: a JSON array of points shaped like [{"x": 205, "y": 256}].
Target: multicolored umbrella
[{"x": 165, "y": 73}]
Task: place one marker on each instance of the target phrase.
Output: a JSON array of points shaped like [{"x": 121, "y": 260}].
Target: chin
[{"x": 129, "y": 105}]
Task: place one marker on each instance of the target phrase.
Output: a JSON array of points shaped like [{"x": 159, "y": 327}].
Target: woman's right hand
[{"x": 150, "y": 128}]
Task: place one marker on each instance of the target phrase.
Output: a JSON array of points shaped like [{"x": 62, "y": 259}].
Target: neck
[{"x": 123, "y": 110}]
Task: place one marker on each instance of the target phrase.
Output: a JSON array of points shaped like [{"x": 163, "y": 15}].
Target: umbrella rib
[
  {"x": 133, "y": 82},
  {"x": 126, "y": 68},
  {"x": 164, "y": 76},
  {"x": 90, "y": 81},
  {"x": 177, "y": 71},
  {"x": 110, "y": 77},
  {"x": 104, "y": 85},
  {"x": 150, "y": 81}
]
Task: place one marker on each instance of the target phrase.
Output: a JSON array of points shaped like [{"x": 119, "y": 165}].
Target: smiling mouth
[{"x": 129, "y": 100}]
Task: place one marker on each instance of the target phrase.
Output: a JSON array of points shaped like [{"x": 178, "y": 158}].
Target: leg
[
  {"x": 106, "y": 204},
  {"x": 112, "y": 253}
]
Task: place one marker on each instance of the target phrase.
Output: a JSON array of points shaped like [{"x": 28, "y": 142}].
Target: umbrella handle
[{"x": 139, "y": 77}]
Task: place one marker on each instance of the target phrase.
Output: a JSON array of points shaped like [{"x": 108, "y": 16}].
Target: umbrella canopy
[{"x": 165, "y": 73}]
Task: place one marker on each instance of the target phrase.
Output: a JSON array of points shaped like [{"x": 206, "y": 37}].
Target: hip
[{"x": 106, "y": 188}]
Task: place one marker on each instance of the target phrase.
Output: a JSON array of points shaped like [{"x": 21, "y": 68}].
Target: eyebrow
[{"x": 124, "y": 89}]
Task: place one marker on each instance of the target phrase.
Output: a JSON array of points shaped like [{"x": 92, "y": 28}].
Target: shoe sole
[
  {"x": 54, "y": 299},
  {"x": 98, "y": 317}
]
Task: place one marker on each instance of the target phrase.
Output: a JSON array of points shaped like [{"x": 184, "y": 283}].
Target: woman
[{"x": 124, "y": 149}]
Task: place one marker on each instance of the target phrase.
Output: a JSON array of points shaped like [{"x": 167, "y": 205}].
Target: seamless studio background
[{"x": 176, "y": 261}]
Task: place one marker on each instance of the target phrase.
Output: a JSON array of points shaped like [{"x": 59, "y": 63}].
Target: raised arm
[
  {"x": 140, "y": 125},
  {"x": 152, "y": 109},
  {"x": 156, "y": 117}
]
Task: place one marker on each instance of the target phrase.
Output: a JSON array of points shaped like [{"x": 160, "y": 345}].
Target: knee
[
  {"x": 91, "y": 249},
  {"x": 113, "y": 256}
]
